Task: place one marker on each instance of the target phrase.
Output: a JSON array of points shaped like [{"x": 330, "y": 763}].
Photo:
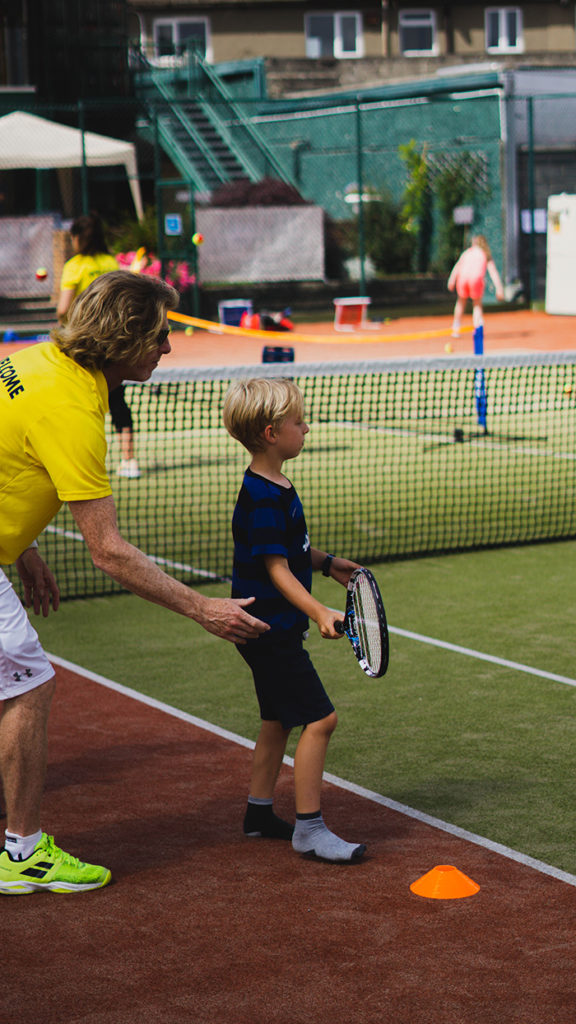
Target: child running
[
  {"x": 273, "y": 561},
  {"x": 468, "y": 280}
]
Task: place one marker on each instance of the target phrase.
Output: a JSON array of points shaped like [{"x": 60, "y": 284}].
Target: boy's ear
[{"x": 269, "y": 434}]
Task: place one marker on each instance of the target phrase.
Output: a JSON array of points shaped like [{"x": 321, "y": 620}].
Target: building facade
[
  {"x": 65, "y": 50},
  {"x": 314, "y": 45}
]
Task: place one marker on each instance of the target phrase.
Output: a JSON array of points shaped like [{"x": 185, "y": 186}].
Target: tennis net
[{"x": 397, "y": 464}]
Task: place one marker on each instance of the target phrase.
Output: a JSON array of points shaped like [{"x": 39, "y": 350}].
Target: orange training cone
[{"x": 444, "y": 882}]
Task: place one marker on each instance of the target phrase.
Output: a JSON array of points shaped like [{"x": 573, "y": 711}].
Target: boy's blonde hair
[{"x": 252, "y": 405}]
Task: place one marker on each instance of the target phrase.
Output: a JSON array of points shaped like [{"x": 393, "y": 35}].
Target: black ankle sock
[{"x": 260, "y": 820}]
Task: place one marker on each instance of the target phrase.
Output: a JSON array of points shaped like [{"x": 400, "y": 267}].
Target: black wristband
[{"x": 326, "y": 565}]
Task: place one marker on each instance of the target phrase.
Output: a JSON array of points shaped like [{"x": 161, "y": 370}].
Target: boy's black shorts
[{"x": 288, "y": 688}]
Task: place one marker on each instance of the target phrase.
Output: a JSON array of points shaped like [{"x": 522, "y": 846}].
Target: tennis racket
[{"x": 365, "y": 623}]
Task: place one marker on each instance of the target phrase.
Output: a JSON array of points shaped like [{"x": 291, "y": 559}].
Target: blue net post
[{"x": 480, "y": 380}]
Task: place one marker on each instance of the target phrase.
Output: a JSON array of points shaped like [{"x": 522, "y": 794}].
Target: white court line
[
  {"x": 503, "y": 662},
  {"x": 410, "y": 812},
  {"x": 480, "y": 656}
]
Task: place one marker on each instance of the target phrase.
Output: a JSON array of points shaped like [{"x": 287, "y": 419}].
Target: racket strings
[{"x": 367, "y": 616}]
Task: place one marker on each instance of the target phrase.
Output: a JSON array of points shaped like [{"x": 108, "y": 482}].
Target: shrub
[
  {"x": 387, "y": 243},
  {"x": 267, "y": 192}
]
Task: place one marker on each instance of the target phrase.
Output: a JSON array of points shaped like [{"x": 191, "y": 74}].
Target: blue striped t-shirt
[{"x": 269, "y": 520}]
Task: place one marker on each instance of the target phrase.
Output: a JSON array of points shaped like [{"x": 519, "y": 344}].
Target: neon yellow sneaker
[{"x": 49, "y": 868}]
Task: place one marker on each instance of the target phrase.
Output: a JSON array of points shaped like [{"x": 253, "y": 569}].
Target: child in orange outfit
[{"x": 468, "y": 279}]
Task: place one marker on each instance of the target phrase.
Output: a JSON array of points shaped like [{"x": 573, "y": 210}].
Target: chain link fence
[{"x": 401, "y": 184}]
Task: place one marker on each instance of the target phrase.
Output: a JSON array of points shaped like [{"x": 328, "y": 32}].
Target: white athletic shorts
[{"x": 23, "y": 664}]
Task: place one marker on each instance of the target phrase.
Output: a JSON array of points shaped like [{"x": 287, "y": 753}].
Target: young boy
[{"x": 273, "y": 561}]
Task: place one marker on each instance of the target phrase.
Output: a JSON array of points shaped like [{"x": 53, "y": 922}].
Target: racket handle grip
[{"x": 339, "y": 627}]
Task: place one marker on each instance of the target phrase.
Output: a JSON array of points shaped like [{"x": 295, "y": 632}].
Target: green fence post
[
  {"x": 41, "y": 190},
  {"x": 193, "y": 249},
  {"x": 159, "y": 198},
  {"x": 360, "y": 175},
  {"x": 84, "y": 168}
]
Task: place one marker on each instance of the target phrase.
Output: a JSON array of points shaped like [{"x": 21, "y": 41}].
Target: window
[
  {"x": 334, "y": 35},
  {"x": 174, "y": 36},
  {"x": 417, "y": 33},
  {"x": 504, "y": 30}
]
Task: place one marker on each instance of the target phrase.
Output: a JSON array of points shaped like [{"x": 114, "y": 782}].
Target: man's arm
[{"x": 133, "y": 570}]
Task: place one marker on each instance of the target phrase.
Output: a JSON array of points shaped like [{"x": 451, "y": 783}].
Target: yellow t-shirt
[
  {"x": 52, "y": 441},
  {"x": 80, "y": 271}
]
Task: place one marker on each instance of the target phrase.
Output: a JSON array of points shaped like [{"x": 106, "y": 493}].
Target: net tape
[{"x": 396, "y": 464}]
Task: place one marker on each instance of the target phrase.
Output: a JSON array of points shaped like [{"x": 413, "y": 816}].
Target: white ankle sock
[
  {"x": 21, "y": 847},
  {"x": 312, "y": 837}
]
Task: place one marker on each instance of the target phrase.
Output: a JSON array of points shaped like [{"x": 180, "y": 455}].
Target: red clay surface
[
  {"x": 515, "y": 331},
  {"x": 519, "y": 330},
  {"x": 202, "y": 925}
]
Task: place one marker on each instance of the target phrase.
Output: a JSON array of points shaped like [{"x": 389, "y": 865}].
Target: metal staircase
[{"x": 202, "y": 129}]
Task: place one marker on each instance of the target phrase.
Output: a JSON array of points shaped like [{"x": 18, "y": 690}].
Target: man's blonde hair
[
  {"x": 252, "y": 405},
  {"x": 118, "y": 317}
]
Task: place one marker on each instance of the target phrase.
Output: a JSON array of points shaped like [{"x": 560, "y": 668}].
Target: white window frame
[
  {"x": 427, "y": 18},
  {"x": 503, "y": 46},
  {"x": 171, "y": 60},
  {"x": 338, "y": 51}
]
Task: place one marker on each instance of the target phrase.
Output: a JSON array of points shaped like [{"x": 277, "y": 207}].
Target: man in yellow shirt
[{"x": 53, "y": 400}]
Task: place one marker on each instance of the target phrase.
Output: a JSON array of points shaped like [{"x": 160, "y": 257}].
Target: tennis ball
[
  {"x": 568, "y": 389},
  {"x": 189, "y": 330},
  {"x": 448, "y": 347},
  {"x": 197, "y": 238},
  {"x": 41, "y": 273}
]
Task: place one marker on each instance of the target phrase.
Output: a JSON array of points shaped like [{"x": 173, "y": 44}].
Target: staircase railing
[
  {"x": 215, "y": 99},
  {"x": 201, "y": 83},
  {"x": 166, "y": 134}
]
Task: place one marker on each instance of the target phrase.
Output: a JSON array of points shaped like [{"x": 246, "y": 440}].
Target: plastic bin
[
  {"x": 230, "y": 311},
  {"x": 350, "y": 314},
  {"x": 277, "y": 354}
]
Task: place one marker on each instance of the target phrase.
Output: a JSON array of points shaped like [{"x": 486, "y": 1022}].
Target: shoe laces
[{"x": 57, "y": 853}]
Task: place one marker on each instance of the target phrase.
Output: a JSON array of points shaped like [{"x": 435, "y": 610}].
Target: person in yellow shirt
[
  {"x": 53, "y": 401},
  {"x": 92, "y": 258}
]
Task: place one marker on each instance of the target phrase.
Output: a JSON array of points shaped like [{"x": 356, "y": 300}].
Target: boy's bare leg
[
  {"x": 311, "y": 836},
  {"x": 23, "y": 743},
  {"x": 309, "y": 760},
  {"x": 268, "y": 753},
  {"x": 260, "y": 819}
]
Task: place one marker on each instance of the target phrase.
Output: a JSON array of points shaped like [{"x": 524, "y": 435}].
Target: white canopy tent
[{"x": 28, "y": 141}]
